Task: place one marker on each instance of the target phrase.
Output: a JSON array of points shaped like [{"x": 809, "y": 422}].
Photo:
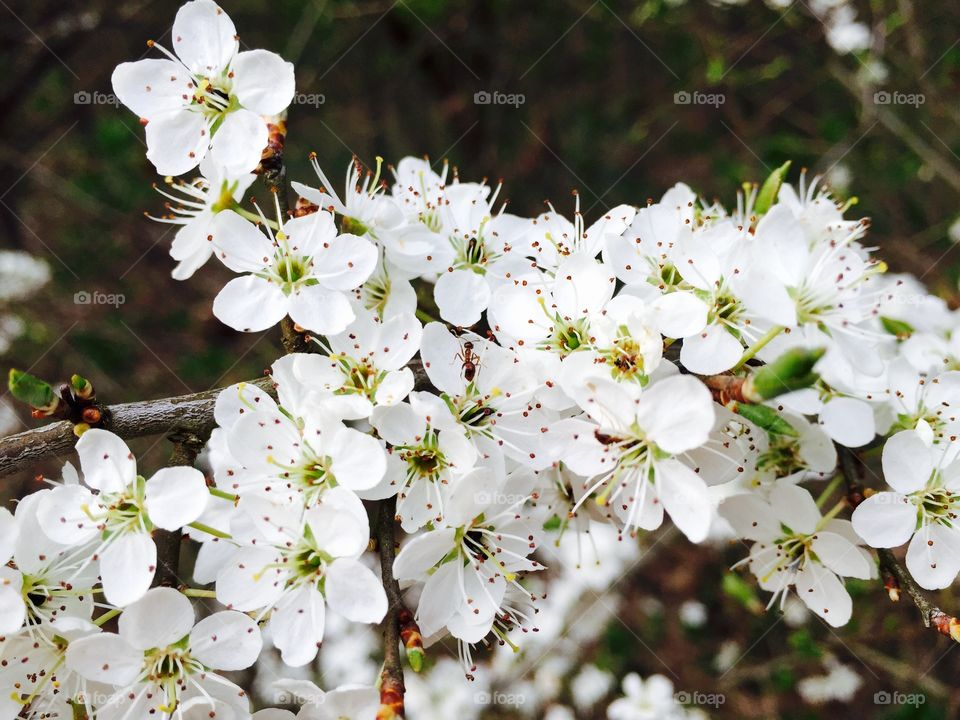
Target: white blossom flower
[
  {"x": 304, "y": 270},
  {"x": 117, "y": 511},
  {"x": 293, "y": 563},
  {"x": 795, "y": 546},
  {"x": 207, "y": 95},
  {"x": 204, "y": 210},
  {"x": 163, "y": 663},
  {"x": 424, "y": 464},
  {"x": 921, "y": 509},
  {"x": 365, "y": 209},
  {"x": 467, "y": 562},
  {"x": 629, "y": 451}
]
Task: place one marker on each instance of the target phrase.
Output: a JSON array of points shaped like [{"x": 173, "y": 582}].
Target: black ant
[{"x": 470, "y": 360}]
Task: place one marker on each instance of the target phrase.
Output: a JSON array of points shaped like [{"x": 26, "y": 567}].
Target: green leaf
[
  {"x": 793, "y": 370},
  {"x": 31, "y": 390},
  {"x": 771, "y": 186},
  {"x": 740, "y": 590},
  {"x": 767, "y": 419},
  {"x": 901, "y": 329},
  {"x": 81, "y": 387}
]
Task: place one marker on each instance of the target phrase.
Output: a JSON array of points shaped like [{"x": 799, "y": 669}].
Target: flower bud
[
  {"x": 793, "y": 370},
  {"x": 33, "y": 391}
]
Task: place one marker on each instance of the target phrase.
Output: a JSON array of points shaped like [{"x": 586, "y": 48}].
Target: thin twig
[
  {"x": 186, "y": 447},
  {"x": 896, "y": 576},
  {"x": 185, "y": 413},
  {"x": 391, "y": 677}
]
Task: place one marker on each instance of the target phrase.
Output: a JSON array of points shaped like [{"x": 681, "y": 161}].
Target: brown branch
[
  {"x": 186, "y": 413},
  {"x": 391, "y": 677},
  {"x": 186, "y": 447},
  {"x": 896, "y": 577}
]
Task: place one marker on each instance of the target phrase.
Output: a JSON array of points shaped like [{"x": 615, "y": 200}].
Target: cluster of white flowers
[{"x": 547, "y": 395}]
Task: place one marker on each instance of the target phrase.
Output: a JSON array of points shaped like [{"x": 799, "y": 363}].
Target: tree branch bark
[
  {"x": 391, "y": 677},
  {"x": 186, "y": 447},
  {"x": 897, "y": 576},
  {"x": 186, "y": 413}
]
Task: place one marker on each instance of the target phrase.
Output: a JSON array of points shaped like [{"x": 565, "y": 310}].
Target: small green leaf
[
  {"x": 740, "y": 590},
  {"x": 415, "y": 658},
  {"x": 31, "y": 390},
  {"x": 793, "y": 370},
  {"x": 81, "y": 387},
  {"x": 552, "y": 523},
  {"x": 767, "y": 419},
  {"x": 901, "y": 329},
  {"x": 771, "y": 186}
]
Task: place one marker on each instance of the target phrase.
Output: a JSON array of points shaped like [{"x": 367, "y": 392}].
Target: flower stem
[
  {"x": 198, "y": 593},
  {"x": 829, "y": 489},
  {"x": 210, "y": 531},
  {"x": 759, "y": 345},
  {"x": 107, "y": 616},
  {"x": 217, "y": 492},
  {"x": 254, "y": 218}
]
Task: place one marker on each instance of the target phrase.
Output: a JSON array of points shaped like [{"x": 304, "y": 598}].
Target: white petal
[
  {"x": 296, "y": 625},
  {"x": 677, "y": 413},
  {"x": 822, "y": 592},
  {"x": 841, "y": 555},
  {"x": 8, "y": 535},
  {"x": 359, "y": 461},
  {"x": 63, "y": 518},
  {"x": 107, "y": 463},
  {"x": 686, "y": 499},
  {"x": 353, "y": 591},
  {"x": 933, "y": 556},
  {"x": 461, "y": 296},
  {"x": 848, "y": 421},
  {"x": 177, "y": 141},
  {"x": 127, "y": 567},
  {"x": 344, "y": 262},
  {"x": 151, "y": 87},
  {"x": 885, "y": 520},
  {"x": 794, "y": 507},
  {"x": 680, "y": 314},
  {"x": 162, "y": 617},
  {"x": 176, "y": 496},
  {"x": 250, "y": 304},
  {"x": 907, "y": 462},
  {"x": 263, "y": 81},
  {"x": 326, "y": 312},
  {"x": 437, "y": 599},
  {"x": 204, "y": 37},
  {"x": 239, "y": 142},
  {"x": 422, "y": 552},
  {"x": 239, "y": 244},
  {"x": 105, "y": 657},
  {"x": 12, "y": 609},
  {"x": 226, "y": 640},
  {"x": 712, "y": 351},
  {"x": 750, "y": 517}
]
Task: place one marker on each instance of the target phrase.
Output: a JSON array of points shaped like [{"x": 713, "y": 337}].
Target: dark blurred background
[{"x": 602, "y": 111}]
